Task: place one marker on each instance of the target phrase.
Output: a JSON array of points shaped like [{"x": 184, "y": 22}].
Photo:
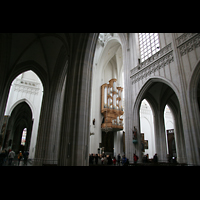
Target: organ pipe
[
  {"x": 105, "y": 97},
  {"x": 112, "y": 106}
]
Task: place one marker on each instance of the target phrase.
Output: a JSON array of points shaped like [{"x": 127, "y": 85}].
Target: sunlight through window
[
  {"x": 23, "y": 140},
  {"x": 149, "y": 44}
]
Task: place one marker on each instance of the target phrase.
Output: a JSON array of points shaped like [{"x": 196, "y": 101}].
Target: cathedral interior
[{"x": 65, "y": 96}]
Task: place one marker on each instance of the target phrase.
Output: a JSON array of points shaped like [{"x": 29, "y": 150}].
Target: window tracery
[{"x": 149, "y": 44}]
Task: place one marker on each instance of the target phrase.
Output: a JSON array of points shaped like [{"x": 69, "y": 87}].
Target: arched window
[
  {"x": 149, "y": 44},
  {"x": 23, "y": 140}
]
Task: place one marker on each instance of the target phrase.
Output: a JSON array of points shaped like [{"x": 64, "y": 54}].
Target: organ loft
[{"x": 111, "y": 106}]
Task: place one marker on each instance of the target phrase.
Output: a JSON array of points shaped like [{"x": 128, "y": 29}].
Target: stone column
[
  {"x": 48, "y": 137},
  {"x": 75, "y": 130},
  {"x": 160, "y": 138},
  {"x": 191, "y": 146},
  {"x": 180, "y": 142},
  {"x": 5, "y": 43},
  {"x": 43, "y": 131},
  {"x": 131, "y": 117}
]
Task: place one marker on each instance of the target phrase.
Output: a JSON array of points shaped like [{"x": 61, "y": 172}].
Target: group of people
[
  {"x": 107, "y": 160},
  {"x": 10, "y": 155},
  {"x": 146, "y": 159},
  {"x": 96, "y": 159},
  {"x": 103, "y": 159}
]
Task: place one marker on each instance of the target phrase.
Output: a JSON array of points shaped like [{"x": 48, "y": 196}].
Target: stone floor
[{"x": 15, "y": 162}]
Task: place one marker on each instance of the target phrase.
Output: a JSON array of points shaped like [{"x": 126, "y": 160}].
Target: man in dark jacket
[
  {"x": 118, "y": 159},
  {"x": 96, "y": 159},
  {"x": 25, "y": 154},
  {"x": 124, "y": 159},
  {"x": 155, "y": 158},
  {"x": 91, "y": 158},
  {"x": 2, "y": 157}
]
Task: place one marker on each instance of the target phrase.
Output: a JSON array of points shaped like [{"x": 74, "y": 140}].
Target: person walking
[
  {"x": 6, "y": 157},
  {"x": 155, "y": 159},
  {"x": 11, "y": 156},
  {"x": 135, "y": 158},
  {"x": 147, "y": 158},
  {"x": 25, "y": 154},
  {"x": 19, "y": 157},
  {"x": 2, "y": 157},
  {"x": 105, "y": 162},
  {"x": 96, "y": 159},
  {"x": 102, "y": 160},
  {"x": 109, "y": 160},
  {"x": 114, "y": 161},
  {"x": 118, "y": 159},
  {"x": 91, "y": 158},
  {"x": 124, "y": 159}
]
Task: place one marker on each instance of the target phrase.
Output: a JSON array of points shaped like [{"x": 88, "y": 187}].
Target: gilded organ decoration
[{"x": 111, "y": 106}]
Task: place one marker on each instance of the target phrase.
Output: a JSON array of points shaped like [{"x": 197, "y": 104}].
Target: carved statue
[{"x": 135, "y": 133}]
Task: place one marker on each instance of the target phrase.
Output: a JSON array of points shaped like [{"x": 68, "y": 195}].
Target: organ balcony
[{"x": 111, "y": 106}]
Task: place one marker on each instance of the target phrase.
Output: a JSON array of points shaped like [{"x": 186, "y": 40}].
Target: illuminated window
[
  {"x": 149, "y": 44},
  {"x": 23, "y": 140}
]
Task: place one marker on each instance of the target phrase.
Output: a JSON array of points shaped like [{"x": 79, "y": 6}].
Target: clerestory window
[{"x": 149, "y": 44}]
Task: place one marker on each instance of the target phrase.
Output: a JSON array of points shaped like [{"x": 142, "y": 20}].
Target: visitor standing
[
  {"x": 114, "y": 161},
  {"x": 155, "y": 158},
  {"x": 11, "y": 156},
  {"x": 91, "y": 158},
  {"x": 124, "y": 159},
  {"x": 102, "y": 159},
  {"x": 109, "y": 160},
  {"x": 135, "y": 158},
  {"x": 2, "y": 157},
  {"x": 105, "y": 162},
  {"x": 25, "y": 154},
  {"x": 19, "y": 157},
  {"x": 96, "y": 159},
  {"x": 118, "y": 159}
]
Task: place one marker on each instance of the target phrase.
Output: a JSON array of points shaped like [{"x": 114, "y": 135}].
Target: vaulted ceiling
[
  {"x": 43, "y": 48},
  {"x": 162, "y": 94}
]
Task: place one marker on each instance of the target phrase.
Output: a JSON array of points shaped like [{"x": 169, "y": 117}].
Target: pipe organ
[{"x": 111, "y": 106}]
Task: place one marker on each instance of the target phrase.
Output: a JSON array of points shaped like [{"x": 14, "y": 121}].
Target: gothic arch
[
  {"x": 20, "y": 101},
  {"x": 20, "y": 118},
  {"x": 23, "y": 67},
  {"x": 29, "y": 65},
  {"x": 159, "y": 92},
  {"x": 103, "y": 65},
  {"x": 17, "y": 70},
  {"x": 113, "y": 41},
  {"x": 178, "y": 130},
  {"x": 193, "y": 86},
  {"x": 195, "y": 74},
  {"x": 194, "y": 112},
  {"x": 148, "y": 84}
]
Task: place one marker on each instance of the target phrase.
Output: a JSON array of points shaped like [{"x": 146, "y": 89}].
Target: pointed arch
[
  {"x": 193, "y": 84},
  {"x": 18, "y": 102},
  {"x": 194, "y": 111},
  {"x": 17, "y": 70},
  {"x": 159, "y": 92},
  {"x": 149, "y": 83},
  {"x": 21, "y": 117},
  {"x": 33, "y": 66}
]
